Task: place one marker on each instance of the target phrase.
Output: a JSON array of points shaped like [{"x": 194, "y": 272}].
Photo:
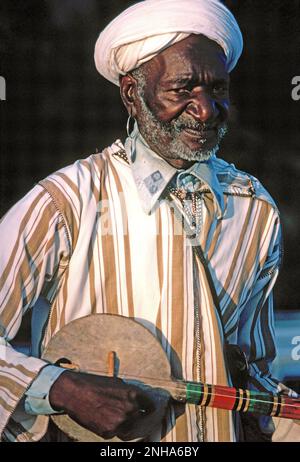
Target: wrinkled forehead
[{"x": 192, "y": 56}]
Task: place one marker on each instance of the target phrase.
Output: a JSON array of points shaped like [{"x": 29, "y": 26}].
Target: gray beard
[{"x": 153, "y": 130}]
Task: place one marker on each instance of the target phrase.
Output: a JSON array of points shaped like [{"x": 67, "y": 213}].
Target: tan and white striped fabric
[{"x": 81, "y": 239}]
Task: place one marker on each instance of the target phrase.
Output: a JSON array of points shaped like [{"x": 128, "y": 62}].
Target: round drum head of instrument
[{"x": 87, "y": 343}]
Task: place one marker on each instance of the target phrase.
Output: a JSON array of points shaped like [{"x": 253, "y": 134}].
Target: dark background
[{"x": 59, "y": 109}]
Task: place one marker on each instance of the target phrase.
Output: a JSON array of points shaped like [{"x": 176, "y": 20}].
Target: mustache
[{"x": 182, "y": 123}]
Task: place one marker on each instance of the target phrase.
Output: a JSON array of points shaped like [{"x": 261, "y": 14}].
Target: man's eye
[{"x": 180, "y": 91}]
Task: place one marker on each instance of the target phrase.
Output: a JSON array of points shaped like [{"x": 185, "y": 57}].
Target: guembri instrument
[{"x": 114, "y": 345}]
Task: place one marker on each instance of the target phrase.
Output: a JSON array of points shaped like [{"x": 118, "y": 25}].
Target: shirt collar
[{"x": 152, "y": 174}]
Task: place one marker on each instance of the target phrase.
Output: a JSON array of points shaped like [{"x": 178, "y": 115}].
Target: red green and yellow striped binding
[{"x": 242, "y": 400}]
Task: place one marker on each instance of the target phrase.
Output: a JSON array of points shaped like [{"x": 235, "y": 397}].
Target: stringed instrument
[{"x": 114, "y": 345}]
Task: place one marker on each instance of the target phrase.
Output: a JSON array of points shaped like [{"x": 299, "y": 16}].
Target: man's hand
[{"x": 107, "y": 406}]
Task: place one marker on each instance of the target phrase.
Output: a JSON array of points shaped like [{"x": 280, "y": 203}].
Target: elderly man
[{"x": 158, "y": 229}]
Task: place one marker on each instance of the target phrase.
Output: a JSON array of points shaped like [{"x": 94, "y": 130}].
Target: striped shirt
[{"x": 82, "y": 240}]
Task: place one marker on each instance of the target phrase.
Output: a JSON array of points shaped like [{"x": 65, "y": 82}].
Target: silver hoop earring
[{"x": 129, "y": 120}]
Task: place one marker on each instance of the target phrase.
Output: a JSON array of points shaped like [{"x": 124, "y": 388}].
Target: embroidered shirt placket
[{"x": 193, "y": 210}]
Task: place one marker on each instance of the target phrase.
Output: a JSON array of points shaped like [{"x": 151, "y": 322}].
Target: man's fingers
[
  {"x": 143, "y": 404},
  {"x": 109, "y": 435},
  {"x": 284, "y": 390},
  {"x": 146, "y": 402}
]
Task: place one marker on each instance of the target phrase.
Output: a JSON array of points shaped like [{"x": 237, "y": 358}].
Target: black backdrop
[{"x": 58, "y": 108}]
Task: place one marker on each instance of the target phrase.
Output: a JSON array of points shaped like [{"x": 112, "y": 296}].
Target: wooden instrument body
[{"x": 87, "y": 342}]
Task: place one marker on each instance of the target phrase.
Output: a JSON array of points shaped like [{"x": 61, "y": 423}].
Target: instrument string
[{"x": 178, "y": 385}]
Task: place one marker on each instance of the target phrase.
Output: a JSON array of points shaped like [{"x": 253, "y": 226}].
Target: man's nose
[{"x": 202, "y": 108}]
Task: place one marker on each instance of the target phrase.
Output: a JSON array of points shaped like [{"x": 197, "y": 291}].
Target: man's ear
[{"x": 128, "y": 91}]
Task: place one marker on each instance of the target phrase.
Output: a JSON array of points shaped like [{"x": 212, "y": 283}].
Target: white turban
[{"x": 148, "y": 27}]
